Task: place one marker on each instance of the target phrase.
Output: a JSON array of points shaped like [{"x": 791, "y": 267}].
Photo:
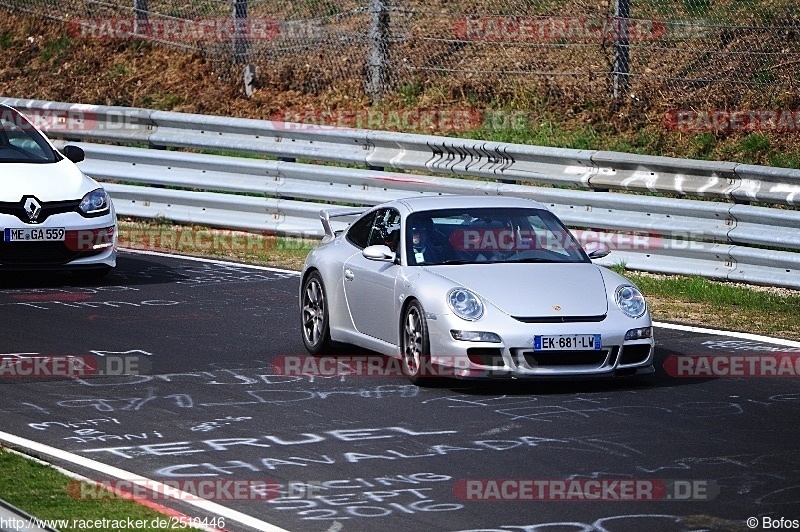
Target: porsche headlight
[
  {"x": 95, "y": 203},
  {"x": 465, "y": 304},
  {"x": 630, "y": 301}
]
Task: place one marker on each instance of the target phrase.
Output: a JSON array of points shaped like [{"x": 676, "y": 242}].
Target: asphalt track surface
[{"x": 361, "y": 452}]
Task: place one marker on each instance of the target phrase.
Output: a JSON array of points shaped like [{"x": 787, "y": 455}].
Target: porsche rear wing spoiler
[{"x": 325, "y": 218}]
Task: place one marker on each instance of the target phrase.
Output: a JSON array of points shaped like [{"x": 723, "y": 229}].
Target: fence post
[
  {"x": 239, "y": 32},
  {"x": 622, "y": 14},
  {"x": 140, "y": 20},
  {"x": 379, "y": 49}
]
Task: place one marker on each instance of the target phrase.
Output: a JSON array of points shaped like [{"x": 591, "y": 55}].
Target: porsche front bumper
[{"x": 515, "y": 357}]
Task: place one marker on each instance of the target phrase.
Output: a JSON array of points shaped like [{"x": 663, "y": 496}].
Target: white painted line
[
  {"x": 211, "y": 261},
  {"x": 732, "y": 334},
  {"x": 208, "y": 506}
]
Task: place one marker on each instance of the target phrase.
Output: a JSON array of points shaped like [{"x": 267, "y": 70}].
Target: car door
[{"x": 369, "y": 284}]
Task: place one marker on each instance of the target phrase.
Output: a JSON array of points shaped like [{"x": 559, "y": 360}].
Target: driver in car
[{"x": 422, "y": 247}]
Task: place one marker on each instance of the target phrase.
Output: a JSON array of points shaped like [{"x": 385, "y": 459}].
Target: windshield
[
  {"x": 489, "y": 235},
  {"x": 20, "y": 142}
]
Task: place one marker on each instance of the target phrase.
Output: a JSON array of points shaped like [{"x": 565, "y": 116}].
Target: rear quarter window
[{"x": 358, "y": 233}]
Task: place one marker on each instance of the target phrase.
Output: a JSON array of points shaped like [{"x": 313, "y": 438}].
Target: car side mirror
[
  {"x": 599, "y": 253},
  {"x": 379, "y": 252},
  {"x": 73, "y": 153}
]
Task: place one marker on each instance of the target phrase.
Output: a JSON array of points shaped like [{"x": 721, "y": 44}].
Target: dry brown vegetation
[{"x": 40, "y": 60}]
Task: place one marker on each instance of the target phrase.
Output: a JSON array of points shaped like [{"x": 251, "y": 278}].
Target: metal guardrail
[
  {"x": 17, "y": 520},
  {"x": 717, "y": 239},
  {"x": 588, "y": 169}
]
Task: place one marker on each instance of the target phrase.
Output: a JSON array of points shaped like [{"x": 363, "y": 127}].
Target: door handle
[{"x": 349, "y": 275}]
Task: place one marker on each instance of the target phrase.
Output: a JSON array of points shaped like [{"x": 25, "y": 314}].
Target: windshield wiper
[
  {"x": 452, "y": 261},
  {"x": 460, "y": 261},
  {"x": 534, "y": 259},
  {"x": 506, "y": 261}
]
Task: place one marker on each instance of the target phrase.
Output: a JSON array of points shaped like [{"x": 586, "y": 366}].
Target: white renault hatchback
[{"x": 52, "y": 216}]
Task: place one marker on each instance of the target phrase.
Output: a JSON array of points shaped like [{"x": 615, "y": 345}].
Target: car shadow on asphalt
[
  {"x": 659, "y": 379},
  {"x": 130, "y": 271}
]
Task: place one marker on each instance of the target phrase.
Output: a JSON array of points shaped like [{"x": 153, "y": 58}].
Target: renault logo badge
[{"x": 32, "y": 208}]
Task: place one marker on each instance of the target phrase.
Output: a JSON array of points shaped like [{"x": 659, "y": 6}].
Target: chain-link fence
[{"x": 686, "y": 53}]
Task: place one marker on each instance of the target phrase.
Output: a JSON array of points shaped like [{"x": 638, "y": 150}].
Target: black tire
[
  {"x": 314, "y": 316},
  {"x": 415, "y": 347}
]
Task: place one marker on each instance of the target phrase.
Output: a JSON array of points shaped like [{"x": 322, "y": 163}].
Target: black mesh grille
[
  {"x": 633, "y": 354},
  {"x": 48, "y": 209},
  {"x": 565, "y": 358},
  {"x": 486, "y": 356},
  {"x": 560, "y": 319}
]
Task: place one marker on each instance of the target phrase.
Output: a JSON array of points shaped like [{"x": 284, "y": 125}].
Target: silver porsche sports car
[{"x": 472, "y": 287}]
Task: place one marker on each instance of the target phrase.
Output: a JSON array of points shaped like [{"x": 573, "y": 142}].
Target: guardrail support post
[
  {"x": 239, "y": 32},
  {"x": 140, "y": 21},
  {"x": 379, "y": 49},
  {"x": 622, "y": 60}
]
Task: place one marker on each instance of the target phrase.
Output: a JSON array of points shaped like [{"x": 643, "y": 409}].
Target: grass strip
[
  {"x": 48, "y": 494},
  {"x": 700, "y": 301}
]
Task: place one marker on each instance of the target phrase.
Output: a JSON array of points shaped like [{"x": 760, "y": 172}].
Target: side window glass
[
  {"x": 19, "y": 139},
  {"x": 386, "y": 231},
  {"x": 359, "y": 232}
]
